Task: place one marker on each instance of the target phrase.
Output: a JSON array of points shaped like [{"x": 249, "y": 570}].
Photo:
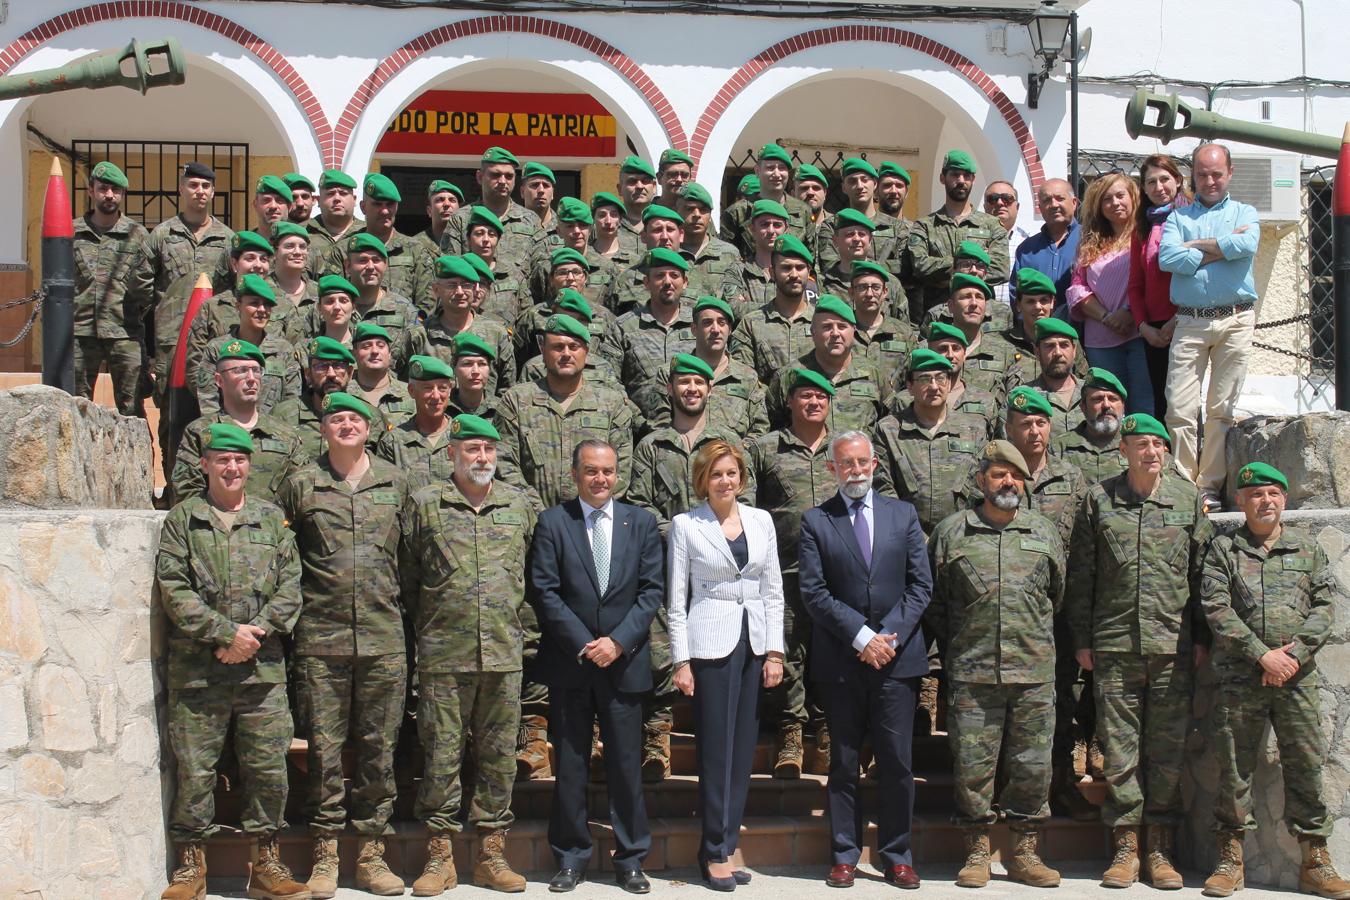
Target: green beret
[
  {"x": 469, "y": 344},
  {"x": 1050, "y": 326},
  {"x": 340, "y": 401},
  {"x": 637, "y": 164},
  {"x": 327, "y": 348},
  {"x": 485, "y": 273},
  {"x": 972, "y": 250},
  {"x": 568, "y": 255},
  {"x": 848, "y": 217},
  {"x": 481, "y": 215},
  {"x": 863, "y": 267},
  {"x": 808, "y": 172},
  {"x": 226, "y": 437},
  {"x": 363, "y": 241},
  {"x": 570, "y": 209},
  {"x": 789, "y": 245},
  {"x": 364, "y": 331},
  {"x": 688, "y": 364},
  {"x": 249, "y": 240},
  {"x": 808, "y": 378},
  {"x": 1029, "y": 401},
  {"x": 717, "y": 303},
  {"x": 1143, "y": 423},
  {"x": 1004, "y": 452},
  {"x": 468, "y": 427},
  {"x": 574, "y": 304},
  {"x": 282, "y": 230},
  {"x": 857, "y": 164},
  {"x": 774, "y": 151},
  {"x": 748, "y": 186},
  {"x": 605, "y": 198},
  {"x": 379, "y": 187},
  {"x": 960, "y": 159},
  {"x": 660, "y": 256},
  {"x": 922, "y": 360},
  {"x": 336, "y": 284},
  {"x": 829, "y": 303},
  {"x": 945, "y": 331},
  {"x": 271, "y": 184},
  {"x": 296, "y": 180},
  {"x": 561, "y": 323},
  {"x": 657, "y": 211},
  {"x": 496, "y": 155},
  {"x": 242, "y": 349},
  {"x": 427, "y": 368},
  {"x": 440, "y": 184},
  {"x": 895, "y": 170},
  {"x": 538, "y": 170},
  {"x": 769, "y": 208},
  {"x": 966, "y": 280},
  {"x": 106, "y": 171},
  {"x": 456, "y": 267},
  {"x": 1101, "y": 379},
  {"x": 254, "y": 285},
  {"x": 672, "y": 155},
  {"x": 336, "y": 178},
  {"x": 1258, "y": 474},
  {"x": 1030, "y": 281},
  {"x": 697, "y": 193}
]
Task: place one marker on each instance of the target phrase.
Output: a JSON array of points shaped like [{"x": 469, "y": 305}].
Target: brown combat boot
[
  {"x": 1066, "y": 799},
  {"x": 818, "y": 763},
  {"x": 1228, "y": 874},
  {"x": 926, "y": 713},
  {"x": 975, "y": 872},
  {"x": 438, "y": 875},
  {"x": 268, "y": 877},
  {"x": 1317, "y": 875},
  {"x": 1158, "y": 868},
  {"x": 1026, "y": 866},
  {"x": 188, "y": 881},
  {"x": 1080, "y": 758},
  {"x": 532, "y": 761},
  {"x": 597, "y": 764},
  {"x": 323, "y": 876},
  {"x": 1096, "y": 761},
  {"x": 1124, "y": 869},
  {"x": 372, "y": 872},
  {"x": 655, "y": 750},
  {"x": 492, "y": 870},
  {"x": 788, "y": 763}
]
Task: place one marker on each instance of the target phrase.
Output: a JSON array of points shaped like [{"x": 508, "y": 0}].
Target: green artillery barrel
[
  {"x": 1177, "y": 119},
  {"x": 139, "y": 66}
]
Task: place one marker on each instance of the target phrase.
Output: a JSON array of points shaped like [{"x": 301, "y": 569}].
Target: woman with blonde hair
[{"x": 726, "y": 641}]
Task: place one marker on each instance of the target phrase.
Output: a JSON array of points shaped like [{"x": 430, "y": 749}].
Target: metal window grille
[
  {"x": 153, "y": 168},
  {"x": 828, "y": 164}
]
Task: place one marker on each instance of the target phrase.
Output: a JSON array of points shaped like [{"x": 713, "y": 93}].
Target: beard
[
  {"x": 1104, "y": 426},
  {"x": 856, "y": 488},
  {"x": 1006, "y": 499},
  {"x": 481, "y": 473}
]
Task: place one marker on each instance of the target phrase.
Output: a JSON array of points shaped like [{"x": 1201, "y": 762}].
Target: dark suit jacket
[
  {"x": 567, "y": 595},
  {"x": 842, "y": 595}
]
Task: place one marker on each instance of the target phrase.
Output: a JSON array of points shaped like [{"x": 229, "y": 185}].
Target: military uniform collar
[
  {"x": 975, "y": 523},
  {"x": 584, "y": 397},
  {"x": 1247, "y": 542},
  {"x": 122, "y": 227},
  {"x": 374, "y": 476},
  {"x": 215, "y": 229},
  {"x": 910, "y": 422},
  {"x": 684, "y": 315},
  {"x": 248, "y": 514},
  {"x": 789, "y": 437},
  {"x": 1122, "y": 492},
  {"x": 499, "y": 495},
  {"x": 771, "y": 312}
]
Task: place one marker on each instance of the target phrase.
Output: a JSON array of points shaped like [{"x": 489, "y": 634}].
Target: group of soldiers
[{"x": 382, "y": 417}]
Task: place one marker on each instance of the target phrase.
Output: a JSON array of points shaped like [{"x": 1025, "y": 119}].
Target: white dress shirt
[{"x": 865, "y": 634}]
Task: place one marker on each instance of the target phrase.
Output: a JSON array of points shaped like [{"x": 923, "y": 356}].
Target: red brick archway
[
  {"x": 392, "y": 64},
  {"x": 1031, "y": 154}
]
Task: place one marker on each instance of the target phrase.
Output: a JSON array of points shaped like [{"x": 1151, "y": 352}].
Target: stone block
[
  {"x": 63, "y": 707},
  {"x": 42, "y": 775},
  {"x": 98, "y": 779},
  {"x": 13, "y": 717},
  {"x": 1313, "y": 451}
]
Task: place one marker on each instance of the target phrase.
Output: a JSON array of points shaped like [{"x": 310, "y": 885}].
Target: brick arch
[
  {"x": 268, "y": 55},
  {"x": 392, "y": 64},
  {"x": 1031, "y": 154}
]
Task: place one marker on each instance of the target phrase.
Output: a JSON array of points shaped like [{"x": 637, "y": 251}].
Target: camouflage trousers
[
  {"x": 658, "y": 705},
  {"x": 981, "y": 719},
  {"x": 1070, "y": 706},
  {"x": 1143, "y": 713},
  {"x": 1241, "y": 712},
  {"x": 454, "y": 708},
  {"x": 121, "y": 357},
  {"x": 534, "y": 684},
  {"x": 199, "y": 720},
  {"x": 361, "y": 697},
  {"x": 788, "y": 704}
]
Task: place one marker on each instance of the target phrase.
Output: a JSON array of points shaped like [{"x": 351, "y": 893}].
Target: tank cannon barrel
[
  {"x": 1177, "y": 119},
  {"x": 139, "y": 66}
]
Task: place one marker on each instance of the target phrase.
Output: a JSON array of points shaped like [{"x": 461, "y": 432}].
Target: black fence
[{"x": 153, "y": 168}]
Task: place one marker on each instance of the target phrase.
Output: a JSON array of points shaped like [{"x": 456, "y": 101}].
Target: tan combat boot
[
  {"x": 1080, "y": 758},
  {"x": 1158, "y": 868},
  {"x": 532, "y": 761},
  {"x": 188, "y": 881},
  {"x": 438, "y": 875},
  {"x": 1228, "y": 874},
  {"x": 819, "y": 761},
  {"x": 925, "y": 721},
  {"x": 1096, "y": 760},
  {"x": 656, "y": 750},
  {"x": 598, "y": 772},
  {"x": 323, "y": 876},
  {"x": 788, "y": 763},
  {"x": 975, "y": 872},
  {"x": 1124, "y": 869},
  {"x": 1317, "y": 875},
  {"x": 372, "y": 872},
  {"x": 492, "y": 870},
  {"x": 1026, "y": 866},
  {"x": 268, "y": 877}
]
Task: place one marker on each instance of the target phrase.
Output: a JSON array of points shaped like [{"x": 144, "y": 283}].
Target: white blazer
[{"x": 709, "y": 594}]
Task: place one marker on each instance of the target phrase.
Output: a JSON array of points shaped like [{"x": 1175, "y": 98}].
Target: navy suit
[
  {"x": 572, "y": 613},
  {"x": 842, "y": 594}
]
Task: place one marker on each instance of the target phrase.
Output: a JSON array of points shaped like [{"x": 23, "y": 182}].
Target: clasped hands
[
  {"x": 247, "y": 640},
  {"x": 878, "y": 651},
  {"x": 1277, "y": 666},
  {"x": 602, "y": 651}
]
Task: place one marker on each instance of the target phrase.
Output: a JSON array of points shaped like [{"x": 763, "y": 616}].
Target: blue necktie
[{"x": 861, "y": 533}]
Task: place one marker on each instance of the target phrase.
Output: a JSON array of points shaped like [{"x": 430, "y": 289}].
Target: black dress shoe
[
  {"x": 716, "y": 883},
  {"x": 741, "y": 876},
  {"x": 566, "y": 880},
  {"x": 632, "y": 881}
]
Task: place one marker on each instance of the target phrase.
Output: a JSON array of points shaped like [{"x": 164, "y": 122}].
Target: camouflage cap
[
  {"x": 226, "y": 437},
  {"x": 107, "y": 172},
  {"x": 469, "y": 344},
  {"x": 466, "y": 426},
  {"x": 1029, "y": 401},
  {"x": 808, "y": 378},
  {"x": 428, "y": 368},
  {"x": 1259, "y": 474},
  {"x": 249, "y": 240},
  {"x": 340, "y": 401},
  {"x": 688, "y": 364},
  {"x": 1004, "y": 452}
]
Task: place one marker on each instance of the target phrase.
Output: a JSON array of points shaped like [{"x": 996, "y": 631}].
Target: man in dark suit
[
  {"x": 598, "y": 572},
  {"x": 865, "y": 582}
]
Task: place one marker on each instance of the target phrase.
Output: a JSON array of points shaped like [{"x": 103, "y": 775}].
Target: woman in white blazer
[{"x": 726, "y": 640}]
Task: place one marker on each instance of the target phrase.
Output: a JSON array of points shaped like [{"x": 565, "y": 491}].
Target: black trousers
[
  {"x": 726, "y": 722},
  {"x": 572, "y": 715},
  {"x": 861, "y": 704},
  {"x": 1157, "y": 358}
]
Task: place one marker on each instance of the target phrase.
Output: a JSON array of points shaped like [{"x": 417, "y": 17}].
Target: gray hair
[{"x": 848, "y": 437}]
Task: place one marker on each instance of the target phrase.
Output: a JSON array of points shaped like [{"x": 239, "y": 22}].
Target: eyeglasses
[
  {"x": 930, "y": 378},
  {"x": 328, "y": 365},
  {"x": 1005, "y": 199},
  {"x": 242, "y": 371}
]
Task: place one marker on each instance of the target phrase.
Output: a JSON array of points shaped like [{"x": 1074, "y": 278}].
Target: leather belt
[{"x": 1213, "y": 312}]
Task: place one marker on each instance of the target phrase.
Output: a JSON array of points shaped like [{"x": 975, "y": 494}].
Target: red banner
[{"x": 465, "y": 123}]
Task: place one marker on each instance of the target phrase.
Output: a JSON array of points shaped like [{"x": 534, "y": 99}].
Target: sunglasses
[{"x": 1000, "y": 198}]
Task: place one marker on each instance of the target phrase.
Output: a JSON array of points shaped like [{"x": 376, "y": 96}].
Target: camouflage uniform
[
  {"x": 736, "y": 220},
  {"x": 108, "y": 327},
  {"x": 1096, "y": 463},
  {"x": 603, "y": 271},
  {"x": 710, "y": 266},
  {"x": 926, "y": 468},
  {"x": 888, "y": 243},
  {"x": 982, "y": 404},
  {"x": 1026, "y": 365},
  {"x": 521, "y": 247},
  {"x": 530, "y": 327},
  {"x": 834, "y": 280},
  {"x": 321, "y": 242},
  {"x": 219, "y": 316},
  {"x": 747, "y": 287},
  {"x": 282, "y": 378},
  {"x": 1068, "y": 413},
  {"x": 859, "y": 400},
  {"x": 311, "y": 439},
  {"x": 396, "y": 315},
  {"x": 211, "y": 580},
  {"x": 627, "y": 291},
  {"x": 932, "y": 250},
  {"x": 639, "y": 348},
  {"x": 986, "y": 364},
  {"x": 736, "y": 404},
  {"x": 424, "y": 459},
  {"x": 766, "y": 341},
  {"x": 995, "y": 594},
  {"x": 393, "y": 399},
  {"x": 508, "y": 295},
  {"x": 410, "y": 271},
  {"x": 277, "y": 452},
  {"x": 501, "y": 371}
]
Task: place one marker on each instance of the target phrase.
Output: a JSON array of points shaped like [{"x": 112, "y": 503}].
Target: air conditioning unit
[{"x": 1271, "y": 184}]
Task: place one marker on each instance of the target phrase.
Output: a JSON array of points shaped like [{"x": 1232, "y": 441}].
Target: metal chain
[
  {"x": 1306, "y": 357},
  {"x": 33, "y": 298},
  {"x": 1277, "y": 323}
]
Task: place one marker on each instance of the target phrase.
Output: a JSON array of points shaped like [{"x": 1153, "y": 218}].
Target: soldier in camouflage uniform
[
  {"x": 297, "y": 293},
  {"x": 662, "y": 228},
  {"x": 282, "y": 377},
  {"x": 950, "y": 342},
  {"x": 812, "y": 188},
  {"x": 444, "y": 199},
  {"x": 336, "y": 219},
  {"x": 998, "y": 580},
  {"x": 229, "y": 578},
  {"x": 711, "y": 259},
  {"x": 737, "y": 400},
  {"x": 344, "y": 509},
  {"x": 637, "y": 191},
  {"x": 1135, "y": 556},
  {"x": 674, "y": 169},
  {"x": 1269, "y": 597},
  {"x": 420, "y": 441},
  {"x": 1057, "y": 358},
  {"x": 538, "y": 186},
  {"x": 1093, "y": 446},
  {"x": 463, "y": 574},
  {"x": 858, "y": 182},
  {"x": 407, "y": 263},
  {"x": 1035, "y": 301},
  {"x": 751, "y": 284},
  {"x": 885, "y": 339},
  {"x": 851, "y": 242},
  {"x": 250, "y": 254},
  {"x": 506, "y": 283},
  {"x": 304, "y": 195},
  {"x": 522, "y": 237},
  {"x": 591, "y": 276},
  {"x": 530, "y": 329},
  {"x": 778, "y": 332},
  {"x": 329, "y": 371},
  {"x": 774, "y": 170},
  {"x": 609, "y": 237},
  {"x": 988, "y": 355},
  {"x": 454, "y": 315},
  {"x": 108, "y": 327},
  {"x": 367, "y": 262},
  {"x": 372, "y": 381}
]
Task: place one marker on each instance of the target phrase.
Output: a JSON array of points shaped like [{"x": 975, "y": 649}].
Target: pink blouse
[{"x": 1108, "y": 277}]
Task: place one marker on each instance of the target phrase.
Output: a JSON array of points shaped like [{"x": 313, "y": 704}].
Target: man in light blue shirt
[
  {"x": 1054, "y": 249},
  {"x": 1209, "y": 248}
]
